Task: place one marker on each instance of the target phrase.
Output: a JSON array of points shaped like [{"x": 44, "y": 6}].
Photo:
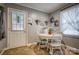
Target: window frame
[{"x": 21, "y": 11}]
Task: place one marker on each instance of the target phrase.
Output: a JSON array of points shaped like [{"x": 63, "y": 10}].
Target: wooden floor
[{"x": 33, "y": 50}]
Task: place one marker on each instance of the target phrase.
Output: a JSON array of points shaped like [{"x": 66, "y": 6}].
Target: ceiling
[{"x": 44, "y": 7}]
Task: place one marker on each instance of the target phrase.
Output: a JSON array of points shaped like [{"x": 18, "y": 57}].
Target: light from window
[{"x": 70, "y": 21}]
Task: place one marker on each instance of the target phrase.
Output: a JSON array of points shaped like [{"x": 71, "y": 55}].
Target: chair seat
[{"x": 55, "y": 45}]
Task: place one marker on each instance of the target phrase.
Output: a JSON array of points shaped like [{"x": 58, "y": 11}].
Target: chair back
[{"x": 57, "y": 38}]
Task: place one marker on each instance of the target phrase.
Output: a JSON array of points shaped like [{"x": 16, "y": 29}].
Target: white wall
[{"x": 34, "y": 15}]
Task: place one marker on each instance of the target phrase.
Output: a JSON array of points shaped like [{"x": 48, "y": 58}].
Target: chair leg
[
  {"x": 61, "y": 51},
  {"x": 51, "y": 51}
]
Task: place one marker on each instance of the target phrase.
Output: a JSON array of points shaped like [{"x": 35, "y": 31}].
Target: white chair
[{"x": 56, "y": 43}]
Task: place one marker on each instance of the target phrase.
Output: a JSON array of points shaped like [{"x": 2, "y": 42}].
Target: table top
[{"x": 47, "y": 36}]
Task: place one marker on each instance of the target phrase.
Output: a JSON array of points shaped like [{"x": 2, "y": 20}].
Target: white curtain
[{"x": 70, "y": 20}]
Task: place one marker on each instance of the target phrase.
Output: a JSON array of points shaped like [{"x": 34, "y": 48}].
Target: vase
[{"x": 50, "y": 33}]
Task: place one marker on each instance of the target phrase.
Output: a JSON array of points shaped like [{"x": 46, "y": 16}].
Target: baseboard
[{"x": 31, "y": 43}]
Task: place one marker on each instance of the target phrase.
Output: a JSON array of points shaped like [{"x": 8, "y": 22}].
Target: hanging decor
[
  {"x": 37, "y": 21},
  {"x": 18, "y": 19},
  {"x": 46, "y": 22},
  {"x": 53, "y": 21},
  {"x": 56, "y": 23}
]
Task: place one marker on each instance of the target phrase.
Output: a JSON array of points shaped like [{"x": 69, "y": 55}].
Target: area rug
[{"x": 35, "y": 50}]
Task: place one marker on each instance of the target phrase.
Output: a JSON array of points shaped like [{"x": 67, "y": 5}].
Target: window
[
  {"x": 70, "y": 21},
  {"x": 17, "y": 20}
]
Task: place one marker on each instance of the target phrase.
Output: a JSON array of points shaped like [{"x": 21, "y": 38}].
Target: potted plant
[{"x": 50, "y": 30}]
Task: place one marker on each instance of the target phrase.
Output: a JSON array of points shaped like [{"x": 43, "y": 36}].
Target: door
[{"x": 16, "y": 28}]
